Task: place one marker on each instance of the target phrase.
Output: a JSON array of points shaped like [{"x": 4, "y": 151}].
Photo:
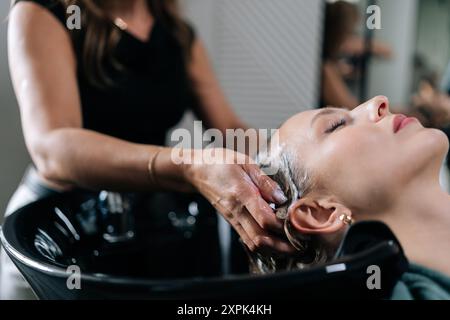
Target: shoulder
[
  {"x": 55, "y": 8},
  {"x": 35, "y": 32},
  {"x": 38, "y": 17},
  {"x": 420, "y": 283}
]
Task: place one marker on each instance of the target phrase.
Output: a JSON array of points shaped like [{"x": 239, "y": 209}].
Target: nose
[{"x": 375, "y": 109}]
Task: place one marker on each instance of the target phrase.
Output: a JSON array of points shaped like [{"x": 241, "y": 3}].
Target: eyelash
[{"x": 336, "y": 125}]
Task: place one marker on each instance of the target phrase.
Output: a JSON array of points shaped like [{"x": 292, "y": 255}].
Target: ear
[{"x": 318, "y": 217}]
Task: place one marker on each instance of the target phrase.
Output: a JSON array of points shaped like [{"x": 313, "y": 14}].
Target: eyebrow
[{"x": 322, "y": 113}]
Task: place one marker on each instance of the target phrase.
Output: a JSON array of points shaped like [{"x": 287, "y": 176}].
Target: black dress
[{"x": 148, "y": 97}]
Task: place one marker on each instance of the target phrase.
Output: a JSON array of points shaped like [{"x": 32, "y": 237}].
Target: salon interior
[{"x": 92, "y": 207}]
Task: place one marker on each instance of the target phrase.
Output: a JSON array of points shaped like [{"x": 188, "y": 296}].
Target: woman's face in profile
[{"x": 365, "y": 157}]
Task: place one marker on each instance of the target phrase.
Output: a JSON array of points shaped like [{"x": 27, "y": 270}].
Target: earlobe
[
  {"x": 310, "y": 217},
  {"x": 346, "y": 219}
]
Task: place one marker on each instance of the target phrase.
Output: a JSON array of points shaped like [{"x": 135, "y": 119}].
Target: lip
[{"x": 401, "y": 121}]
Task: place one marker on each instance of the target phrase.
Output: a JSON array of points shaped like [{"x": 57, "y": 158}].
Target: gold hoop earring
[{"x": 346, "y": 219}]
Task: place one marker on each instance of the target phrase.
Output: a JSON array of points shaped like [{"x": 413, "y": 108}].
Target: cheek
[
  {"x": 359, "y": 150},
  {"x": 353, "y": 164}
]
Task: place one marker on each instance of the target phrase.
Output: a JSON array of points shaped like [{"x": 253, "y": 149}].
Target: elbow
[
  {"x": 47, "y": 159},
  {"x": 46, "y": 168},
  {"x": 47, "y": 165}
]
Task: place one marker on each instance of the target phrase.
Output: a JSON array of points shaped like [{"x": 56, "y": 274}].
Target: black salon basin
[{"x": 175, "y": 259}]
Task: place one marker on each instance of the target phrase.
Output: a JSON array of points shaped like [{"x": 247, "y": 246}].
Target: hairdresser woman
[{"x": 96, "y": 104}]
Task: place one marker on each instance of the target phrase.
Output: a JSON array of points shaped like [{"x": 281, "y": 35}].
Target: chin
[
  {"x": 439, "y": 141},
  {"x": 433, "y": 144}
]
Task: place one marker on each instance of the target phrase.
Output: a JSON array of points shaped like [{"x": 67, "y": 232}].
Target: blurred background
[{"x": 276, "y": 58}]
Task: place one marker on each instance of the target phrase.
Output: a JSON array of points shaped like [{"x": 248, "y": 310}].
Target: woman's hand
[
  {"x": 239, "y": 190},
  {"x": 433, "y": 105}
]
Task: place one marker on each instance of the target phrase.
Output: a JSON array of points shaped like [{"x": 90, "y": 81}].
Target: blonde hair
[{"x": 296, "y": 182}]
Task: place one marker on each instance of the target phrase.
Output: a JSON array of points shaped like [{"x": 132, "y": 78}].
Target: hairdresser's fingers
[
  {"x": 249, "y": 230},
  {"x": 261, "y": 240},
  {"x": 258, "y": 208},
  {"x": 264, "y": 215},
  {"x": 233, "y": 221},
  {"x": 268, "y": 188},
  {"x": 242, "y": 234}
]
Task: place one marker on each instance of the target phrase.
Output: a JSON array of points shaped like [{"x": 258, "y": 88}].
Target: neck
[
  {"x": 129, "y": 8},
  {"x": 136, "y": 18},
  {"x": 421, "y": 221}
]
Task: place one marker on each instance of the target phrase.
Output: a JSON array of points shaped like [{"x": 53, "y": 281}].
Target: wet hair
[{"x": 296, "y": 182}]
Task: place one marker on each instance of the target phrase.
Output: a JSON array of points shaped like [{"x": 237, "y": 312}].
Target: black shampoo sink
[{"x": 173, "y": 253}]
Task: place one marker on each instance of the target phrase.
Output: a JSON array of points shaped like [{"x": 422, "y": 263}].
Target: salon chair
[{"x": 117, "y": 261}]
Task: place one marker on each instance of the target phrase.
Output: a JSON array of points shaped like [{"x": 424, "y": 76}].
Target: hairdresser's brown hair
[
  {"x": 340, "y": 20},
  {"x": 101, "y": 35}
]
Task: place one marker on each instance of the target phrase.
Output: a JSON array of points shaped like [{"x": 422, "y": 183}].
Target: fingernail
[{"x": 280, "y": 197}]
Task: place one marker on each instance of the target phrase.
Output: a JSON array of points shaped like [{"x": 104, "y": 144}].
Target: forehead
[
  {"x": 296, "y": 134},
  {"x": 298, "y": 131},
  {"x": 297, "y": 128}
]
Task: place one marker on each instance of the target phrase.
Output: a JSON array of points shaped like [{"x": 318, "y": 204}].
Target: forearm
[
  {"x": 94, "y": 161},
  {"x": 334, "y": 89},
  {"x": 357, "y": 46}
]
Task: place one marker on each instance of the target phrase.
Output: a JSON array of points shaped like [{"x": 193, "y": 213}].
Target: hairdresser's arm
[
  {"x": 213, "y": 109},
  {"x": 356, "y": 46},
  {"x": 334, "y": 89},
  {"x": 43, "y": 69}
]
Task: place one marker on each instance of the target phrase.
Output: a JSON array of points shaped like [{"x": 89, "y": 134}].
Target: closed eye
[{"x": 336, "y": 125}]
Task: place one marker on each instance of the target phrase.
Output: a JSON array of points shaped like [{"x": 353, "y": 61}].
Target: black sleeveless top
[{"x": 149, "y": 97}]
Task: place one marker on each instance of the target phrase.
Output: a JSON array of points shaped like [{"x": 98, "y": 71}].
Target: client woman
[
  {"x": 339, "y": 166},
  {"x": 97, "y": 102}
]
